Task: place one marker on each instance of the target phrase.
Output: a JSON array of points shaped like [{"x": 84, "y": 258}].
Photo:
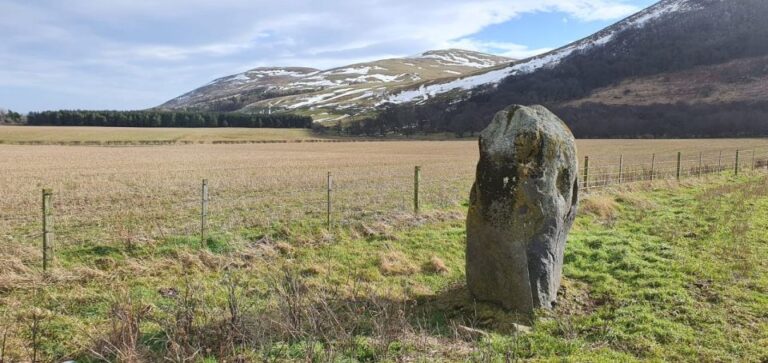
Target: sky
[{"x": 136, "y": 54}]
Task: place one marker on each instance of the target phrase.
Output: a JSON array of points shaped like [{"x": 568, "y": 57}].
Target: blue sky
[{"x": 135, "y": 54}]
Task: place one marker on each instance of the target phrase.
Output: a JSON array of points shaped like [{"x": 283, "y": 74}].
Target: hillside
[
  {"x": 229, "y": 93},
  {"x": 341, "y": 91},
  {"x": 738, "y": 80},
  {"x": 679, "y": 68}
]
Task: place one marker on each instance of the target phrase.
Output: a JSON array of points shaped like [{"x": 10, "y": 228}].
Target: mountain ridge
[
  {"x": 296, "y": 88},
  {"x": 670, "y": 56}
]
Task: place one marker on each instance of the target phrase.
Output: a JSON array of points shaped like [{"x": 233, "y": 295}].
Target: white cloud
[
  {"x": 596, "y": 9},
  {"x": 164, "y": 48}
]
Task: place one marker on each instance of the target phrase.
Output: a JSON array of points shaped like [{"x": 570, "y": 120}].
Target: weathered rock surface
[{"x": 522, "y": 206}]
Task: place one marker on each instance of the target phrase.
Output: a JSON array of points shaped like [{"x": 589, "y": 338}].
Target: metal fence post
[
  {"x": 621, "y": 168},
  {"x": 328, "y": 204},
  {"x": 753, "y": 159},
  {"x": 203, "y": 212},
  {"x": 679, "y": 159},
  {"x": 47, "y": 229},
  {"x": 653, "y": 165},
  {"x": 586, "y": 172},
  {"x": 736, "y": 167},
  {"x": 416, "y": 181}
]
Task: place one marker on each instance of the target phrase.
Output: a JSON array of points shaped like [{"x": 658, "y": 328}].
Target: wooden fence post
[
  {"x": 621, "y": 168},
  {"x": 653, "y": 165},
  {"x": 679, "y": 159},
  {"x": 736, "y": 167},
  {"x": 203, "y": 212},
  {"x": 47, "y": 229},
  {"x": 586, "y": 173},
  {"x": 720, "y": 162},
  {"x": 328, "y": 204},
  {"x": 700, "y": 164},
  {"x": 416, "y": 181}
]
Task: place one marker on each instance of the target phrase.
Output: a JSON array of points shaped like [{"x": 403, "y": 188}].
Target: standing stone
[{"x": 522, "y": 206}]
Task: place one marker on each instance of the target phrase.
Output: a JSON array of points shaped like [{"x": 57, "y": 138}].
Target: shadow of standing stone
[{"x": 522, "y": 205}]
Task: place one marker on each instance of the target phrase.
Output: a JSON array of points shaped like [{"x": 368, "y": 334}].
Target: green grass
[{"x": 674, "y": 274}]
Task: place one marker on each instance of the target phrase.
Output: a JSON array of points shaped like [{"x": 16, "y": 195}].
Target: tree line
[
  {"x": 10, "y": 117},
  {"x": 166, "y": 119}
]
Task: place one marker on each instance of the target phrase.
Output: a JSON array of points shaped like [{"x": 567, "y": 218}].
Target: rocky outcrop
[{"x": 522, "y": 206}]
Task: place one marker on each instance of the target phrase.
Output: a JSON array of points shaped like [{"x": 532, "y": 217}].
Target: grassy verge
[{"x": 662, "y": 273}]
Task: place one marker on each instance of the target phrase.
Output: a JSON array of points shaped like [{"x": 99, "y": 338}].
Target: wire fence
[
  {"x": 603, "y": 172},
  {"x": 326, "y": 202}
]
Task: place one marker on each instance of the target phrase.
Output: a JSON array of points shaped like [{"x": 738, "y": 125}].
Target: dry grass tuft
[
  {"x": 378, "y": 229},
  {"x": 635, "y": 200},
  {"x": 13, "y": 265},
  {"x": 603, "y": 206},
  {"x": 135, "y": 267},
  {"x": 285, "y": 248},
  {"x": 105, "y": 263},
  {"x": 14, "y": 273},
  {"x": 84, "y": 274},
  {"x": 189, "y": 260},
  {"x": 436, "y": 265},
  {"x": 396, "y": 263},
  {"x": 209, "y": 260},
  {"x": 314, "y": 270}
]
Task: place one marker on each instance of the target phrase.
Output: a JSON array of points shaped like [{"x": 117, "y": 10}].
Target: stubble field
[{"x": 132, "y": 135}]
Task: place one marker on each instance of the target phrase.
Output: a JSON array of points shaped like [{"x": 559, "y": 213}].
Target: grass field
[{"x": 654, "y": 272}]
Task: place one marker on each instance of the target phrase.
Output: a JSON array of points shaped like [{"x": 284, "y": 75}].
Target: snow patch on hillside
[
  {"x": 274, "y": 73},
  {"x": 358, "y": 70},
  {"x": 241, "y": 78},
  {"x": 654, "y": 13},
  {"x": 324, "y": 98},
  {"x": 256, "y": 75},
  {"x": 425, "y": 92},
  {"x": 382, "y": 77},
  {"x": 459, "y": 58},
  {"x": 454, "y": 60}
]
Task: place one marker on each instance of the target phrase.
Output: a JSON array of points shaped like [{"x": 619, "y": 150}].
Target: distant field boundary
[
  {"x": 187, "y": 142},
  {"x": 212, "y": 142}
]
